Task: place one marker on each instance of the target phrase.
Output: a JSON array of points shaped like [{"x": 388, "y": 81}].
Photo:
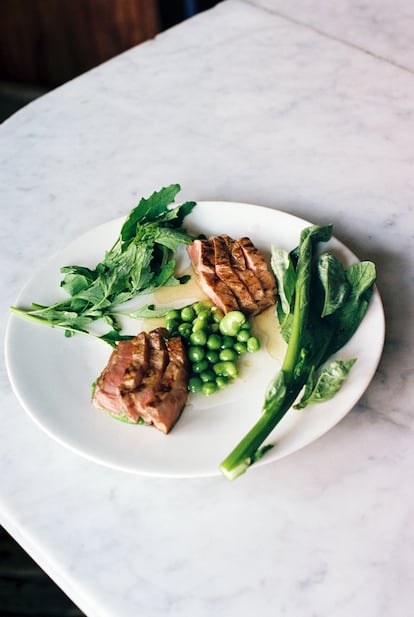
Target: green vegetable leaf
[
  {"x": 284, "y": 272},
  {"x": 361, "y": 277},
  {"x": 172, "y": 238},
  {"x": 140, "y": 261},
  {"x": 113, "y": 337},
  {"x": 148, "y": 210},
  {"x": 334, "y": 282},
  {"x": 327, "y": 384}
]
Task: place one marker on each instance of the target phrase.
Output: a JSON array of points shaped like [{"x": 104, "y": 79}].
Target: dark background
[{"x": 44, "y": 43}]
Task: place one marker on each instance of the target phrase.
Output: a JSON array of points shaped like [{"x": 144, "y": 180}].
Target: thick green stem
[{"x": 242, "y": 456}]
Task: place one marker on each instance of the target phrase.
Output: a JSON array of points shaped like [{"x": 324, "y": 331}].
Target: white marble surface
[
  {"x": 380, "y": 27},
  {"x": 242, "y": 105}
]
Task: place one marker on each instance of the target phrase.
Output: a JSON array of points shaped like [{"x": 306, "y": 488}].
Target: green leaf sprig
[{"x": 140, "y": 261}]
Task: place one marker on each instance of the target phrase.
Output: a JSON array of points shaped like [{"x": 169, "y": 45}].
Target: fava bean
[{"x": 231, "y": 323}]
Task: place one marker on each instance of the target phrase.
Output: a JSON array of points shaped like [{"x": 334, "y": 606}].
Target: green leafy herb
[
  {"x": 320, "y": 309},
  {"x": 327, "y": 384},
  {"x": 141, "y": 260}
]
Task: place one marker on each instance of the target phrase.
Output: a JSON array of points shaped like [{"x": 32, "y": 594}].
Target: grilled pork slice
[
  {"x": 233, "y": 274},
  {"x": 202, "y": 256},
  {"x": 226, "y": 272},
  {"x": 135, "y": 401},
  {"x": 146, "y": 378},
  {"x": 247, "y": 276},
  {"x": 107, "y": 392},
  {"x": 173, "y": 391},
  {"x": 256, "y": 262}
]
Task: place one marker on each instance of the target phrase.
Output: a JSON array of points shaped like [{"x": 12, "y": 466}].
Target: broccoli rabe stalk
[{"x": 318, "y": 315}]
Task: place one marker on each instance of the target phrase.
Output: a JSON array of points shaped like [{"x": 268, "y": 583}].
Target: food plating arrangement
[{"x": 196, "y": 348}]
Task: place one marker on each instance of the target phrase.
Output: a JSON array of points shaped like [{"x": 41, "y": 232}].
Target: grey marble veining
[
  {"x": 237, "y": 104},
  {"x": 382, "y": 28}
]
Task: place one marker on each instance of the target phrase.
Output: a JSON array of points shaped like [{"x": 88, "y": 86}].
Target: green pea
[
  {"x": 214, "y": 327},
  {"x": 245, "y": 325},
  {"x": 243, "y": 336},
  {"x": 208, "y": 375},
  {"x": 199, "y": 324},
  {"x": 217, "y": 314},
  {"x": 203, "y": 316},
  {"x": 227, "y": 342},
  {"x": 195, "y": 384},
  {"x": 199, "y": 337},
  {"x": 232, "y": 322},
  {"x": 200, "y": 367},
  {"x": 240, "y": 347},
  {"x": 171, "y": 325},
  {"x": 226, "y": 369},
  {"x": 228, "y": 355},
  {"x": 196, "y": 353},
  {"x": 185, "y": 329},
  {"x": 187, "y": 313},
  {"x": 214, "y": 341},
  {"x": 173, "y": 314},
  {"x": 201, "y": 306},
  {"x": 253, "y": 344},
  {"x": 208, "y": 388},
  {"x": 221, "y": 381},
  {"x": 212, "y": 356}
]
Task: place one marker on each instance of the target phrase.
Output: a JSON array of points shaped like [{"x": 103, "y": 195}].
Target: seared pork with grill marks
[
  {"x": 107, "y": 390},
  {"x": 202, "y": 256},
  {"x": 146, "y": 378},
  {"x": 256, "y": 262},
  {"x": 226, "y": 272},
  {"x": 173, "y": 391},
  {"x": 233, "y": 274},
  {"x": 248, "y": 277}
]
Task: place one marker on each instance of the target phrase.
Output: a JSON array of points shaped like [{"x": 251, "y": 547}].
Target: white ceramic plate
[{"x": 52, "y": 375}]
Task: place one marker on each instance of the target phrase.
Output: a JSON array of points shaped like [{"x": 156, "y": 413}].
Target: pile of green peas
[{"x": 214, "y": 342}]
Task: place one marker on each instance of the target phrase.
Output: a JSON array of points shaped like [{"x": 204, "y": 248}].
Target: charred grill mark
[
  {"x": 227, "y": 274},
  {"x": 233, "y": 274},
  {"x": 146, "y": 378}
]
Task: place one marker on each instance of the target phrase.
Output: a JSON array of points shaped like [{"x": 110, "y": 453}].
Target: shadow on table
[{"x": 25, "y": 590}]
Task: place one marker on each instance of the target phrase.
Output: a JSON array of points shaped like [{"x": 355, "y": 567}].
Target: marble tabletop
[{"x": 245, "y": 102}]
